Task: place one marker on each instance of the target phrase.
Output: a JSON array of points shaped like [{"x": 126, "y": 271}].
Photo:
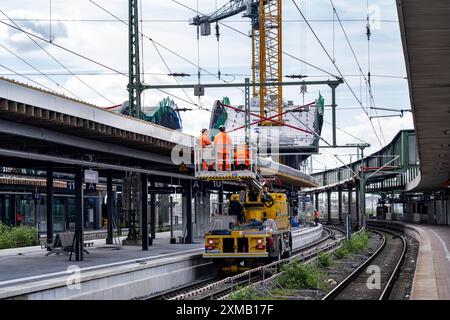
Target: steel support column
[
  {"x": 340, "y": 204},
  {"x": 329, "y": 205},
  {"x": 66, "y": 213},
  {"x": 188, "y": 187},
  {"x": 357, "y": 205},
  {"x": 3, "y": 213},
  {"x": 333, "y": 111},
  {"x": 79, "y": 211},
  {"x": 13, "y": 208},
  {"x": 316, "y": 201},
  {"x": 49, "y": 187},
  {"x": 221, "y": 199},
  {"x": 152, "y": 210},
  {"x": 110, "y": 206},
  {"x": 362, "y": 202},
  {"x": 144, "y": 211},
  {"x": 350, "y": 196}
]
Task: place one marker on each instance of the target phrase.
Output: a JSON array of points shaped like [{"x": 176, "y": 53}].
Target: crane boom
[
  {"x": 230, "y": 9},
  {"x": 266, "y": 34}
]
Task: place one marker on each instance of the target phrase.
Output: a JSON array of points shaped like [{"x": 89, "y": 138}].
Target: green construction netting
[
  {"x": 165, "y": 115},
  {"x": 220, "y": 114}
]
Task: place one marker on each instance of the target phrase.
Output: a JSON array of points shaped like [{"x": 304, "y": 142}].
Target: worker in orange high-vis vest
[
  {"x": 242, "y": 157},
  {"x": 223, "y": 144},
  {"x": 204, "y": 142}
]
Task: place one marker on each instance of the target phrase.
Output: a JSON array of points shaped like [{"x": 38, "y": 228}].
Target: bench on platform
[{"x": 64, "y": 241}]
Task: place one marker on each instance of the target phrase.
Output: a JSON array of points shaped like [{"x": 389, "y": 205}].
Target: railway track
[
  {"x": 374, "y": 279},
  {"x": 217, "y": 288}
]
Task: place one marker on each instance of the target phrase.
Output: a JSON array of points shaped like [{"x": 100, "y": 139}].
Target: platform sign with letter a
[
  {"x": 91, "y": 188},
  {"x": 196, "y": 186}
]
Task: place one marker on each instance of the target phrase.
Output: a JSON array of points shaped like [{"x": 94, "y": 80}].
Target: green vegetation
[
  {"x": 14, "y": 237},
  {"x": 341, "y": 252},
  {"x": 325, "y": 259},
  {"x": 246, "y": 293},
  {"x": 359, "y": 242},
  {"x": 296, "y": 275}
]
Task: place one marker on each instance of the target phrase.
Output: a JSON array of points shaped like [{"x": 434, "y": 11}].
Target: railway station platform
[
  {"x": 432, "y": 276},
  {"x": 111, "y": 271}
]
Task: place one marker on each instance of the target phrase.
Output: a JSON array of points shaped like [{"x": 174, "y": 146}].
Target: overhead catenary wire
[
  {"x": 29, "y": 79},
  {"x": 32, "y": 66},
  {"x": 337, "y": 69},
  {"x": 160, "y": 44},
  {"x": 78, "y": 55},
  {"x": 246, "y": 35},
  {"x": 366, "y": 79},
  {"x": 107, "y": 73},
  {"x": 64, "y": 48},
  {"x": 57, "y": 61},
  {"x": 182, "y": 20}
]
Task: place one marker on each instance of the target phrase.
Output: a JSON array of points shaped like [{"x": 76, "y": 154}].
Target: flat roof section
[{"x": 425, "y": 32}]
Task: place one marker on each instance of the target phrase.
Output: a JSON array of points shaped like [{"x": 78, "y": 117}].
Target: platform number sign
[
  {"x": 70, "y": 185},
  {"x": 36, "y": 196},
  {"x": 215, "y": 185}
]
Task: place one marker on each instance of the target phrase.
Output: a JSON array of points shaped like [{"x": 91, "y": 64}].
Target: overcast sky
[{"x": 166, "y": 22}]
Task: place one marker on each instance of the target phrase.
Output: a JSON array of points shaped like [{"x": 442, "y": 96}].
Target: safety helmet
[{"x": 222, "y": 128}]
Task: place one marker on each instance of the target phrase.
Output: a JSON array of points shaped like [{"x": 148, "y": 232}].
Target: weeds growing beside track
[
  {"x": 246, "y": 293},
  {"x": 325, "y": 259},
  {"x": 296, "y": 277}
]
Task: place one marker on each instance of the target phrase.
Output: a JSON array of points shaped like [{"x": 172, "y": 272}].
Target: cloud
[
  {"x": 107, "y": 42},
  {"x": 20, "y": 41}
]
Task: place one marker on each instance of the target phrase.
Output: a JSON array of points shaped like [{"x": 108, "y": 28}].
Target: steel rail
[
  {"x": 247, "y": 274},
  {"x": 344, "y": 283}
]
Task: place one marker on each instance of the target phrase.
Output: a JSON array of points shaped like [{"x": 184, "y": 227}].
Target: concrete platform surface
[
  {"x": 432, "y": 276},
  {"x": 31, "y": 264}
]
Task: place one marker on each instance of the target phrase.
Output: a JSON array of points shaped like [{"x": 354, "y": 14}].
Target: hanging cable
[
  {"x": 170, "y": 72},
  {"x": 59, "y": 62},
  {"x": 218, "y": 49},
  {"x": 24, "y": 76},
  {"x": 334, "y": 35},
  {"x": 218, "y": 45},
  {"x": 160, "y": 44},
  {"x": 64, "y": 48},
  {"x": 78, "y": 55},
  {"x": 32, "y": 66},
  {"x": 198, "y": 52},
  {"x": 337, "y": 69},
  {"x": 50, "y": 23},
  {"x": 369, "y": 76},
  {"x": 246, "y": 35}
]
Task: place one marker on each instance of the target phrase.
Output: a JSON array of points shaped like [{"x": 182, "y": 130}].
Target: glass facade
[{"x": 34, "y": 212}]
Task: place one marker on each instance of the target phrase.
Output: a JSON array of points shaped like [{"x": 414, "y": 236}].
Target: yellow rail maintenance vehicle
[{"x": 258, "y": 229}]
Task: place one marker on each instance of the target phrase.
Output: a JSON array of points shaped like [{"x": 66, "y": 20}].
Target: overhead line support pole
[
  {"x": 333, "y": 110},
  {"x": 134, "y": 84}
]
